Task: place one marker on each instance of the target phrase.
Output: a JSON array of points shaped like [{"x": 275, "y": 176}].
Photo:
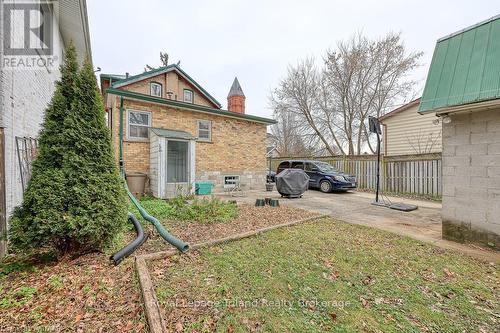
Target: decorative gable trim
[{"x": 162, "y": 70}]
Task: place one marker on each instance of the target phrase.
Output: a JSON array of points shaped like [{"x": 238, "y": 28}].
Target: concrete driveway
[{"x": 423, "y": 224}]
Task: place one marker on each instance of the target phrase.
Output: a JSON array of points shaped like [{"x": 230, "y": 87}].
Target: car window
[
  {"x": 298, "y": 165},
  {"x": 283, "y": 165},
  {"x": 308, "y": 166}
]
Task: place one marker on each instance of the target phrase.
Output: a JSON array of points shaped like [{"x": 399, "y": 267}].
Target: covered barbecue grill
[{"x": 292, "y": 183}]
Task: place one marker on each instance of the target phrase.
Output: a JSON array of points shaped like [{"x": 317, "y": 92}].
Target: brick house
[
  {"x": 177, "y": 133},
  {"x": 463, "y": 89}
]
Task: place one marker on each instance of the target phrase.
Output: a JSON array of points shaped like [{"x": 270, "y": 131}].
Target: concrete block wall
[{"x": 471, "y": 178}]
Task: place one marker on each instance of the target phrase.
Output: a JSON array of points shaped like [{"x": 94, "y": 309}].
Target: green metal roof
[
  {"x": 165, "y": 69},
  {"x": 172, "y": 134},
  {"x": 465, "y": 67},
  {"x": 187, "y": 106}
]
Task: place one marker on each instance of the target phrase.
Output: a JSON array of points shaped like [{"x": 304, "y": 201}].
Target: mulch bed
[
  {"x": 88, "y": 294},
  {"x": 249, "y": 218}
]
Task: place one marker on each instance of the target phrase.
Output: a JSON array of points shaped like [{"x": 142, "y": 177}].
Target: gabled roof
[
  {"x": 236, "y": 89},
  {"x": 161, "y": 70},
  {"x": 186, "y": 106},
  {"x": 400, "y": 109},
  {"x": 465, "y": 68}
]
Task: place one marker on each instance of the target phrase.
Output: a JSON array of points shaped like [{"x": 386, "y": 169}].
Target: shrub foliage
[{"x": 75, "y": 200}]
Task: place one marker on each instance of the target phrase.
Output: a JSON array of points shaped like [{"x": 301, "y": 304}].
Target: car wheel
[{"x": 325, "y": 186}]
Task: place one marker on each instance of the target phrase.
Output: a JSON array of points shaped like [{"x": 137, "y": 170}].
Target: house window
[
  {"x": 204, "y": 130},
  {"x": 188, "y": 96},
  {"x": 231, "y": 181},
  {"x": 156, "y": 89},
  {"x": 138, "y": 124}
]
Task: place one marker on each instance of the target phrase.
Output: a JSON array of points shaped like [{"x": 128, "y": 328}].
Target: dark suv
[{"x": 321, "y": 175}]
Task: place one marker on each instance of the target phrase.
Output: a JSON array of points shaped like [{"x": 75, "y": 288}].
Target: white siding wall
[
  {"x": 24, "y": 97},
  {"x": 409, "y": 132}
]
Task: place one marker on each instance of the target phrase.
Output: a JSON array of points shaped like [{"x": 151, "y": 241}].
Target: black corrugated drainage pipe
[{"x": 133, "y": 245}]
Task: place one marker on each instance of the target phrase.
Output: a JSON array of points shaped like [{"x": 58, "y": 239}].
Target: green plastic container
[{"x": 203, "y": 188}]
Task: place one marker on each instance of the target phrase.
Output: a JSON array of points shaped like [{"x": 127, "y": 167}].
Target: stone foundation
[{"x": 249, "y": 180}]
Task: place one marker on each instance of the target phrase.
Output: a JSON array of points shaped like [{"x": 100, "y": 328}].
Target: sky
[{"x": 257, "y": 40}]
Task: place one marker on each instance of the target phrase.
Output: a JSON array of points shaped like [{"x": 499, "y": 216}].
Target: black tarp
[{"x": 292, "y": 182}]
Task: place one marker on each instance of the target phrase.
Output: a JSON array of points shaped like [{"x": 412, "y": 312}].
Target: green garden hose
[{"x": 179, "y": 244}]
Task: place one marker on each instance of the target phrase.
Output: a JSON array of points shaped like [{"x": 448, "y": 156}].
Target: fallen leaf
[
  {"x": 333, "y": 316},
  {"x": 448, "y": 273},
  {"x": 368, "y": 280},
  {"x": 364, "y": 302}
]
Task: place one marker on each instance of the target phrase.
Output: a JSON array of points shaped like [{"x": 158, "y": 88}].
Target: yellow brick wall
[
  {"x": 170, "y": 82},
  {"x": 237, "y": 145}
]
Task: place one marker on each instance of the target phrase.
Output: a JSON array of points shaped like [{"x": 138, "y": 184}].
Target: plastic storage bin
[{"x": 203, "y": 188}]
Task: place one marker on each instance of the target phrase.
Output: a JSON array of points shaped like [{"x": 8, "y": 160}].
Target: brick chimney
[{"x": 236, "y": 98}]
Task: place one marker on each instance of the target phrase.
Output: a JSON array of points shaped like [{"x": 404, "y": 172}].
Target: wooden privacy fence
[{"x": 415, "y": 174}]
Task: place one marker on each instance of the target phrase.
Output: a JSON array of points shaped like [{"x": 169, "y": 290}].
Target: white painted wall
[{"x": 24, "y": 98}]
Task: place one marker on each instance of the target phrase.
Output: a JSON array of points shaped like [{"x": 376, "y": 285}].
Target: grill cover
[{"x": 292, "y": 182}]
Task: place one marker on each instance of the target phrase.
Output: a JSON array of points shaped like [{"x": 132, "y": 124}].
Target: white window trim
[
  {"x": 151, "y": 89},
  {"x": 128, "y": 125},
  {"x": 184, "y": 96},
  {"x": 209, "y": 130}
]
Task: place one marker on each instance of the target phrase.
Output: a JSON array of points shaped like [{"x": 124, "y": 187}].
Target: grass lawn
[
  {"x": 89, "y": 294},
  {"x": 327, "y": 276}
]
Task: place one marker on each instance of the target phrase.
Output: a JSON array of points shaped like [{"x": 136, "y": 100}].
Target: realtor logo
[
  {"x": 28, "y": 28},
  {"x": 28, "y": 34}
]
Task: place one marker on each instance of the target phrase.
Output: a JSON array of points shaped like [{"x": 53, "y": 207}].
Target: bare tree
[
  {"x": 368, "y": 76},
  {"x": 297, "y": 94},
  {"x": 287, "y": 135},
  {"x": 360, "y": 78}
]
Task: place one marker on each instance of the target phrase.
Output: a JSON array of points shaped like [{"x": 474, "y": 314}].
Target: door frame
[{"x": 162, "y": 179}]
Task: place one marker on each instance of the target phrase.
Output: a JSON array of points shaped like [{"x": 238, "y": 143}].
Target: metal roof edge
[
  {"x": 472, "y": 106},
  {"x": 188, "y": 106},
  {"x": 491, "y": 19}
]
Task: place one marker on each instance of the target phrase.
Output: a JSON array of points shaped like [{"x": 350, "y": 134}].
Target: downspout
[{"x": 179, "y": 244}]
